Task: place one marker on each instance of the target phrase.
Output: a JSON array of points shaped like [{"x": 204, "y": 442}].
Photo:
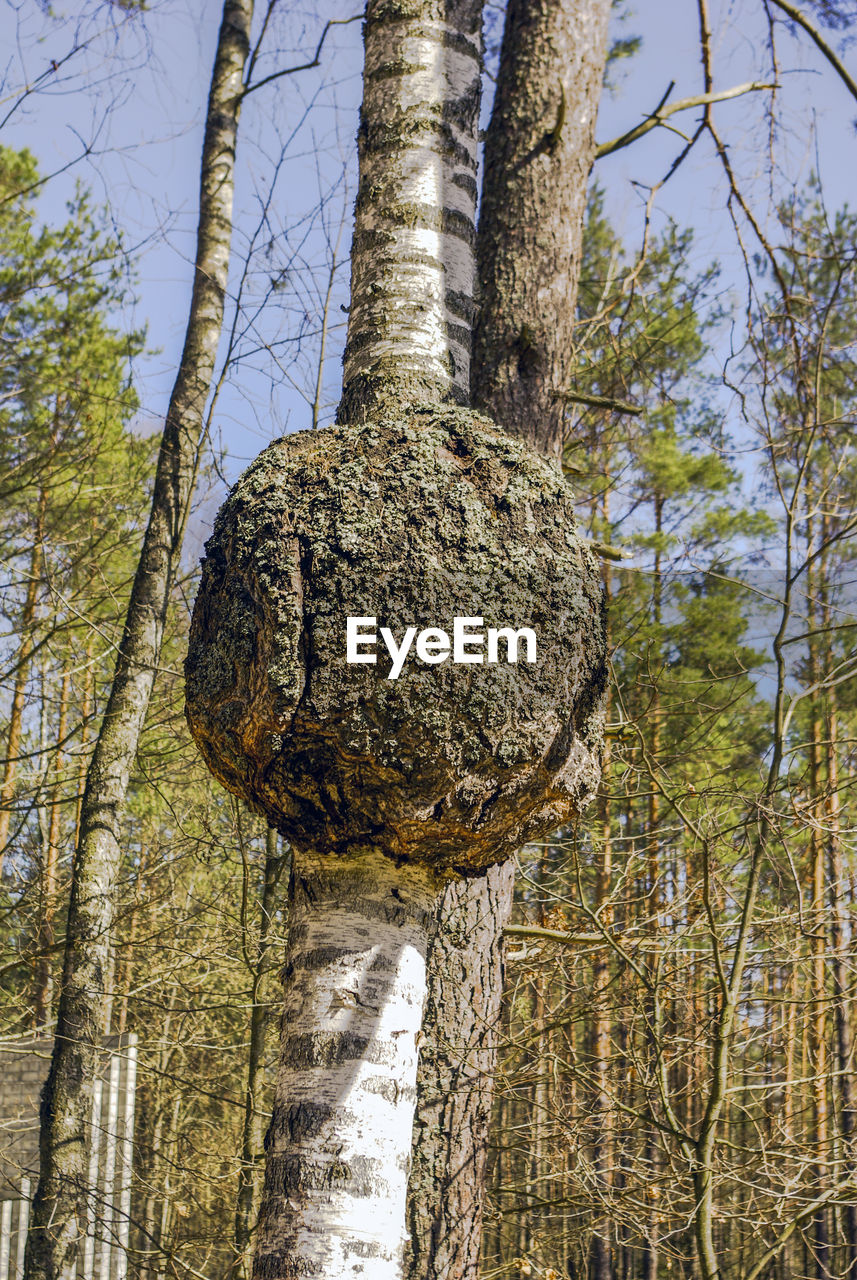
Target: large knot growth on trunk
[{"x": 407, "y": 522}]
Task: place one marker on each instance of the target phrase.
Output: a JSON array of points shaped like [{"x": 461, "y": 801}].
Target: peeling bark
[{"x": 59, "y": 1209}]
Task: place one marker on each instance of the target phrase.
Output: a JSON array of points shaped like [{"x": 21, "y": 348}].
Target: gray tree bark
[
  {"x": 539, "y": 150},
  {"x": 59, "y": 1209},
  {"x": 251, "y": 1136},
  {"x": 456, "y": 1075},
  {"x": 538, "y": 153},
  {"x": 333, "y": 1204}
]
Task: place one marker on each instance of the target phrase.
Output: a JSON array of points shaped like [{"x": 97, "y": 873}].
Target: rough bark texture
[
  {"x": 251, "y": 1137},
  {"x": 59, "y": 1208},
  {"x": 456, "y": 1075},
  {"x": 538, "y": 153},
  {"x": 338, "y": 1143},
  {"x": 414, "y": 222},
  {"x": 411, "y": 520}
]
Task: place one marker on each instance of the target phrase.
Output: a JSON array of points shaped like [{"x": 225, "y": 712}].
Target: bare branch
[
  {"x": 304, "y": 66},
  {"x": 601, "y": 402},
  {"x": 662, "y": 113},
  {"x": 818, "y": 40}
]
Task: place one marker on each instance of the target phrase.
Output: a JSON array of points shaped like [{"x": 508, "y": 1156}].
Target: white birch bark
[
  {"x": 124, "y": 1185},
  {"x": 92, "y": 1182},
  {"x": 23, "y": 1221},
  {"x": 106, "y": 1225},
  {"x": 5, "y": 1237},
  {"x": 339, "y": 1141},
  {"x": 414, "y": 225}
]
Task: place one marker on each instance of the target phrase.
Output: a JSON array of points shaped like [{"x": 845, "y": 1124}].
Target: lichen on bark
[{"x": 413, "y": 520}]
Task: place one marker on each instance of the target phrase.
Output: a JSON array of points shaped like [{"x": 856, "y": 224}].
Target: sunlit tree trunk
[
  {"x": 457, "y": 1062},
  {"x": 819, "y": 933},
  {"x": 602, "y": 1264},
  {"x": 842, "y": 1006},
  {"x": 339, "y": 1141},
  {"x": 538, "y": 153},
  {"x": 412, "y": 264}
]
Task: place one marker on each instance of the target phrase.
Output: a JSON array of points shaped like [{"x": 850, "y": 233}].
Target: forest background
[{"x": 681, "y": 967}]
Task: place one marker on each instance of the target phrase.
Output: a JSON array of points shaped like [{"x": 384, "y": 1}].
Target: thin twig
[
  {"x": 304, "y": 66},
  {"x": 817, "y": 39}
]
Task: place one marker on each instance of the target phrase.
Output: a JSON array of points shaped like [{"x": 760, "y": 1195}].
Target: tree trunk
[
  {"x": 538, "y": 154},
  {"x": 530, "y": 232},
  {"x": 251, "y": 1134},
  {"x": 339, "y": 1141},
  {"x": 818, "y": 1024},
  {"x": 839, "y": 951},
  {"x": 44, "y": 965},
  {"x": 412, "y": 265},
  {"x": 59, "y": 1208},
  {"x": 602, "y": 1147},
  {"x": 456, "y": 1076}
]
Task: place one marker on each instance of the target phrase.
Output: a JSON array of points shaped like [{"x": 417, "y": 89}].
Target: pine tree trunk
[
  {"x": 538, "y": 154},
  {"x": 531, "y": 227},
  {"x": 839, "y": 950},
  {"x": 456, "y": 1076},
  {"x": 59, "y": 1208},
  {"x": 44, "y": 967},
  {"x": 819, "y": 1029},
  {"x": 602, "y": 1154},
  {"x": 339, "y": 1140}
]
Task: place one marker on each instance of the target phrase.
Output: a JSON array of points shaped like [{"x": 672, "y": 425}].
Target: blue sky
[{"x": 137, "y": 96}]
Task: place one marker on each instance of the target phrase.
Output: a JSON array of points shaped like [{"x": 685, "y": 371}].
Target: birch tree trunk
[
  {"x": 59, "y": 1208},
  {"x": 339, "y": 1142},
  {"x": 528, "y": 260},
  {"x": 251, "y": 1136},
  {"x": 337, "y": 1168},
  {"x": 412, "y": 263}
]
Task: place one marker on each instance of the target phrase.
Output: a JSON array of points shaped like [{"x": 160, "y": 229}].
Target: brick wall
[{"x": 23, "y": 1070}]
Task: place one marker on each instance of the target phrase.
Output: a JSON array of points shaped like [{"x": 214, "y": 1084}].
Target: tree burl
[{"x": 412, "y": 520}]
